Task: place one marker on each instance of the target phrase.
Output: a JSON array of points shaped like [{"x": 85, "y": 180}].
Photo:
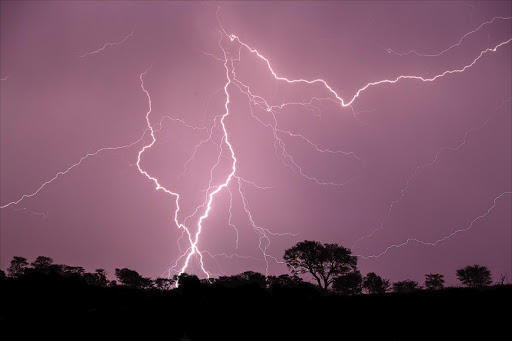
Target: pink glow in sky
[{"x": 414, "y": 175}]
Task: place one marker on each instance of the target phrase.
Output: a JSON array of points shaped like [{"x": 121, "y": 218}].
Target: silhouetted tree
[
  {"x": 242, "y": 279},
  {"x": 252, "y": 277},
  {"x": 405, "y": 286},
  {"x": 2, "y": 274},
  {"x": 71, "y": 271},
  {"x": 190, "y": 285},
  {"x": 474, "y": 276},
  {"x": 42, "y": 264},
  {"x": 348, "y": 284},
  {"x": 283, "y": 281},
  {"x": 18, "y": 267},
  {"x": 434, "y": 281},
  {"x": 164, "y": 283},
  {"x": 323, "y": 261},
  {"x": 132, "y": 279},
  {"x": 185, "y": 279},
  {"x": 374, "y": 284},
  {"x": 97, "y": 278}
]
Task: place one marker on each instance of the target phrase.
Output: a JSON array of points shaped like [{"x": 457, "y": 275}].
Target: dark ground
[{"x": 69, "y": 309}]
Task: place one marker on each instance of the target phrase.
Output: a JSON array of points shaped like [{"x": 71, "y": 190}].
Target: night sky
[{"x": 414, "y": 176}]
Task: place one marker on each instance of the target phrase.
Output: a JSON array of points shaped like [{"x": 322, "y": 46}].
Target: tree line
[{"x": 332, "y": 267}]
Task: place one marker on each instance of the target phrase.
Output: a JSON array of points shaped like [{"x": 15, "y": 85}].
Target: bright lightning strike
[
  {"x": 345, "y": 103},
  {"x": 233, "y": 182}
]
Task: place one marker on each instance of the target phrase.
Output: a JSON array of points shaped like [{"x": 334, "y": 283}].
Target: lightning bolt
[
  {"x": 81, "y": 161},
  {"x": 39, "y": 214},
  {"x": 434, "y": 243},
  {"x": 69, "y": 169},
  {"x": 345, "y": 103},
  {"x": 452, "y": 46},
  {"x": 211, "y": 192},
  {"x": 433, "y": 161},
  {"x": 257, "y": 100},
  {"x": 234, "y": 182},
  {"x": 110, "y": 44}
]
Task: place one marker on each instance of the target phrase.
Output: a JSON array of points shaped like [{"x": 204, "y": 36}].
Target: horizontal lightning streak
[
  {"x": 483, "y": 215},
  {"x": 39, "y": 214},
  {"x": 109, "y": 44},
  {"x": 79, "y": 162},
  {"x": 371, "y": 84},
  {"x": 428, "y": 164},
  {"x": 64, "y": 172},
  {"x": 452, "y": 46}
]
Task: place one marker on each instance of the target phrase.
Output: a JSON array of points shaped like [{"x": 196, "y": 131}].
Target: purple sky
[{"x": 420, "y": 162}]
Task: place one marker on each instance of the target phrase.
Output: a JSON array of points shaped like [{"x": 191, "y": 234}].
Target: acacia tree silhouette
[
  {"x": 474, "y": 276},
  {"x": 323, "y": 261}
]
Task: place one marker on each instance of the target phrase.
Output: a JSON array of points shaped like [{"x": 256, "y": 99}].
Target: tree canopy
[
  {"x": 474, "y": 276},
  {"x": 406, "y": 286},
  {"x": 328, "y": 264},
  {"x": 434, "y": 281},
  {"x": 132, "y": 279},
  {"x": 18, "y": 267},
  {"x": 348, "y": 284},
  {"x": 244, "y": 278},
  {"x": 323, "y": 261},
  {"x": 374, "y": 284}
]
